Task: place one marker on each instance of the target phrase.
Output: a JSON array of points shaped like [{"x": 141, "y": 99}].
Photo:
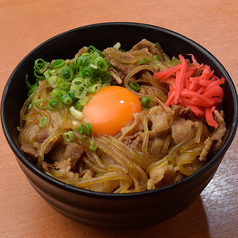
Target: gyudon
[{"x": 119, "y": 121}]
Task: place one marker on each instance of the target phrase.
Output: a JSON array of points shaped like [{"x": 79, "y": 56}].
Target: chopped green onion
[
  {"x": 97, "y": 80},
  {"x": 93, "y": 49},
  {"x": 143, "y": 61},
  {"x": 83, "y": 100},
  {"x": 88, "y": 72},
  {"x": 77, "y": 84},
  {"x": 82, "y": 93},
  {"x": 85, "y": 129},
  {"x": 33, "y": 88},
  {"x": 93, "y": 147},
  {"x": 134, "y": 86},
  {"x": 66, "y": 99},
  {"x": 158, "y": 46},
  {"x": 156, "y": 57},
  {"x": 83, "y": 60},
  {"x": 82, "y": 130},
  {"x": 61, "y": 83},
  {"x": 76, "y": 123},
  {"x": 67, "y": 73},
  {"x": 57, "y": 64},
  {"x": 93, "y": 66},
  {"x": 78, "y": 70},
  {"x": 53, "y": 105},
  {"x": 68, "y": 136},
  {"x": 41, "y": 103},
  {"x": 73, "y": 64},
  {"x": 101, "y": 64},
  {"x": 89, "y": 128},
  {"x": 29, "y": 86},
  {"x": 174, "y": 61},
  {"x": 117, "y": 45},
  {"x": 75, "y": 113},
  {"x": 58, "y": 93},
  {"x": 90, "y": 90},
  {"x": 43, "y": 122},
  {"x": 49, "y": 73},
  {"x": 79, "y": 107},
  {"x": 39, "y": 77},
  {"x": 52, "y": 81},
  {"x": 96, "y": 88},
  {"x": 105, "y": 77},
  {"x": 145, "y": 102},
  {"x": 40, "y": 66},
  {"x": 71, "y": 93},
  {"x": 89, "y": 82},
  {"x": 85, "y": 54},
  {"x": 30, "y": 106}
]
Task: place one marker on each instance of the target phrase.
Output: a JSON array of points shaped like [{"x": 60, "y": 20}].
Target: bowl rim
[{"x": 215, "y": 159}]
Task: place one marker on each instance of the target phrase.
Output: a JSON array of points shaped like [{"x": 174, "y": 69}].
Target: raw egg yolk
[{"x": 110, "y": 109}]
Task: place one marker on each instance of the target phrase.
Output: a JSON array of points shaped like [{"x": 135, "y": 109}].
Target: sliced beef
[
  {"x": 133, "y": 127},
  {"x": 62, "y": 169},
  {"x": 160, "y": 119},
  {"x": 74, "y": 152},
  {"x": 41, "y": 136},
  {"x": 181, "y": 129},
  {"x": 64, "y": 151},
  {"x": 29, "y": 149},
  {"x": 146, "y": 44},
  {"x": 216, "y": 138},
  {"x": 81, "y": 51},
  {"x": 123, "y": 67},
  {"x": 107, "y": 160},
  {"x": 160, "y": 175},
  {"x": 136, "y": 144},
  {"x": 156, "y": 146}
]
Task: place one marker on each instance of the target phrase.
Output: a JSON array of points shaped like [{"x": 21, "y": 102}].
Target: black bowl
[{"x": 114, "y": 210}]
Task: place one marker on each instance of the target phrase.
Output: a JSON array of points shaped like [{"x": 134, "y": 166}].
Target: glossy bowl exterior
[{"x": 114, "y": 210}]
